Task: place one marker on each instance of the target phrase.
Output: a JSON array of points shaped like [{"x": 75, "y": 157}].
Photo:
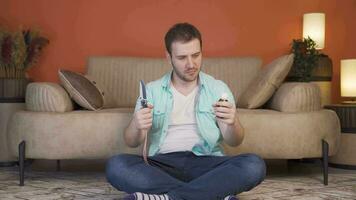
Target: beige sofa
[{"x": 291, "y": 125}]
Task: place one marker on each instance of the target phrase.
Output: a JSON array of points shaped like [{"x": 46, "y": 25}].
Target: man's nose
[{"x": 190, "y": 62}]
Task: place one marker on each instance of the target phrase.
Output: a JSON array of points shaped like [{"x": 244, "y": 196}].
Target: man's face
[{"x": 186, "y": 60}]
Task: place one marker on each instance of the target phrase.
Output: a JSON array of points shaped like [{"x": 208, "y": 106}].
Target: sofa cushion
[
  {"x": 47, "y": 97},
  {"x": 283, "y": 135},
  {"x": 296, "y": 97},
  {"x": 267, "y": 81},
  {"x": 82, "y": 90},
  {"x": 79, "y": 134}
]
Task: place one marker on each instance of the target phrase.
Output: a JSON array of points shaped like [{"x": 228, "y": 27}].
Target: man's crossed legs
[{"x": 183, "y": 175}]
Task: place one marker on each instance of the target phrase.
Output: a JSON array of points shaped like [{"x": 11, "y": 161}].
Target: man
[{"x": 186, "y": 124}]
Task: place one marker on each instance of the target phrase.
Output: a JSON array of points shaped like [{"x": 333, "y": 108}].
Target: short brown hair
[{"x": 184, "y": 32}]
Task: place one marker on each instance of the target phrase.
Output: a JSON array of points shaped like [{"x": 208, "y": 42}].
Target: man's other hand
[{"x": 225, "y": 112}]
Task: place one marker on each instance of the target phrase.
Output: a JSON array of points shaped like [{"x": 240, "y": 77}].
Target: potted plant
[
  {"x": 311, "y": 66},
  {"x": 19, "y": 51},
  {"x": 306, "y": 58}
]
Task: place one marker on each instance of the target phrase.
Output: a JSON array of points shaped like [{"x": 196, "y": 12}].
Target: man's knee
[
  {"x": 254, "y": 166},
  {"x": 116, "y": 167},
  {"x": 257, "y": 167}
]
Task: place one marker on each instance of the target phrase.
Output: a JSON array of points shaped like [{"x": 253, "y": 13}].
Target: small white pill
[{"x": 224, "y": 96}]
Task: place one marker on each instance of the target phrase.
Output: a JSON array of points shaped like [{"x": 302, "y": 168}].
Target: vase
[
  {"x": 321, "y": 75},
  {"x": 13, "y": 88}
]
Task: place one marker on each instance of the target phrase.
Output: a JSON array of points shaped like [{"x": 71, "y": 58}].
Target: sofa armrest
[
  {"x": 296, "y": 97},
  {"x": 47, "y": 97}
]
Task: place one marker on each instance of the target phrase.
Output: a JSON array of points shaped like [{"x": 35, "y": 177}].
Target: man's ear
[{"x": 168, "y": 57}]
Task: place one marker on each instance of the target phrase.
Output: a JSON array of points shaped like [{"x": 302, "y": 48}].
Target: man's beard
[{"x": 185, "y": 77}]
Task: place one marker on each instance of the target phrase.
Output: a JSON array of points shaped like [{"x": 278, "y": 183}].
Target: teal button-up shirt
[{"x": 159, "y": 94}]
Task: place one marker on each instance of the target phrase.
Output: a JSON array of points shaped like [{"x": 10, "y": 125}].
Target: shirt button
[{"x": 158, "y": 111}]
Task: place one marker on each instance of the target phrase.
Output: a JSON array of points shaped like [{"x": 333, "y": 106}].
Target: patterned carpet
[{"x": 295, "y": 181}]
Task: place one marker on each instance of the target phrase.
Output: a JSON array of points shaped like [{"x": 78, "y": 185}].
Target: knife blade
[{"x": 143, "y": 94}]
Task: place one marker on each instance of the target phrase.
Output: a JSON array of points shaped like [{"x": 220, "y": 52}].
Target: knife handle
[
  {"x": 144, "y": 150},
  {"x": 144, "y": 103}
]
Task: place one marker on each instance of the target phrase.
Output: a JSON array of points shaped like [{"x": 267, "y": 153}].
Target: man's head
[
  {"x": 184, "y": 45},
  {"x": 182, "y": 32}
]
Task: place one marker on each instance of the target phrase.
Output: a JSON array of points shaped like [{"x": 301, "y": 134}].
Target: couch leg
[
  {"x": 22, "y": 146},
  {"x": 58, "y": 165},
  {"x": 325, "y": 151}
]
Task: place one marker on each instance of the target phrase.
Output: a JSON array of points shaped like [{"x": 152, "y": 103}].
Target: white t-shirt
[{"x": 182, "y": 132}]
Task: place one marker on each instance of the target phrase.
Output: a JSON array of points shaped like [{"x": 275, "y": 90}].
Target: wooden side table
[
  {"x": 346, "y": 155},
  {"x": 7, "y": 107}
]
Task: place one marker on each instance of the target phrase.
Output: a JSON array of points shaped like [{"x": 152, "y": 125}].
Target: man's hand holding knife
[{"x": 143, "y": 118}]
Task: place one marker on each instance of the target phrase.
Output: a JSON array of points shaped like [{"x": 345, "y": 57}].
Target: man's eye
[{"x": 196, "y": 55}]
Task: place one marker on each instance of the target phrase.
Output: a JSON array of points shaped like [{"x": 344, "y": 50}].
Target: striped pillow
[
  {"x": 47, "y": 97},
  {"x": 296, "y": 97}
]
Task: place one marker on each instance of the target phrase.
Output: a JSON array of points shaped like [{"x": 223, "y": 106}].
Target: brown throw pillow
[
  {"x": 267, "y": 81},
  {"x": 82, "y": 90}
]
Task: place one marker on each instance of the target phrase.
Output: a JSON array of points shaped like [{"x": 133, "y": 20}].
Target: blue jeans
[{"x": 183, "y": 175}]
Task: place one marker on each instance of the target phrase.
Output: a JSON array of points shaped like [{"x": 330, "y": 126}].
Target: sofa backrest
[{"x": 119, "y": 76}]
